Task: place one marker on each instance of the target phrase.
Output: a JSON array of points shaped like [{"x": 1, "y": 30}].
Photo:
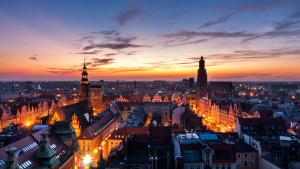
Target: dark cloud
[
  {"x": 110, "y": 54},
  {"x": 191, "y": 42},
  {"x": 254, "y": 6},
  {"x": 190, "y": 37},
  {"x": 129, "y": 15},
  {"x": 113, "y": 46},
  {"x": 108, "y": 39},
  {"x": 191, "y": 34},
  {"x": 34, "y": 58},
  {"x": 220, "y": 20},
  {"x": 243, "y": 56},
  {"x": 132, "y": 52},
  {"x": 97, "y": 62},
  {"x": 295, "y": 14},
  {"x": 88, "y": 53}
]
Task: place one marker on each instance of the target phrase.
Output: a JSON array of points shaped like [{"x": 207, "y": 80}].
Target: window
[
  {"x": 238, "y": 155},
  {"x": 198, "y": 167},
  {"x": 251, "y": 163},
  {"x": 252, "y": 155},
  {"x": 192, "y": 167},
  {"x": 245, "y": 163},
  {"x": 228, "y": 166},
  {"x": 154, "y": 139},
  {"x": 246, "y": 155}
]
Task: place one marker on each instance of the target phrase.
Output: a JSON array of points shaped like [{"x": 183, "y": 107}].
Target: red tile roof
[{"x": 90, "y": 132}]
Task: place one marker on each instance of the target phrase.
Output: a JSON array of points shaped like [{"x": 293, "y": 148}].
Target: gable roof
[
  {"x": 253, "y": 124},
  {"x": 223, "y": 86}
]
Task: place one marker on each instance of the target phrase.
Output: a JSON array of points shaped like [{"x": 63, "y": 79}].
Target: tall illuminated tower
[
  {"x": 201, "y": 79},
  {"x": 84, "y": 85}
]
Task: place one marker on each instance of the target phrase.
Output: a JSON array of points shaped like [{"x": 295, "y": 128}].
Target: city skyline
[{"x": 143, "y": 40}]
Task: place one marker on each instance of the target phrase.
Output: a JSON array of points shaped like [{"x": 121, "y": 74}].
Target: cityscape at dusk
[
  {"x": 161, "y": 84},
  {"x": 156, "y": 40}
]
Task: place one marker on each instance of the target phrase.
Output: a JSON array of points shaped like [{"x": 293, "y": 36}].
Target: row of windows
[
  {"x": 223, "y": 166},
  {"x": 192, "y": 166},
  {"x": 238, "y": 155},
  {"x": 246, "y": 163}
]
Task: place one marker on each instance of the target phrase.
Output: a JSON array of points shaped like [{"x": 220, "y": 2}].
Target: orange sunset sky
[{"x": 150, "y": 40}]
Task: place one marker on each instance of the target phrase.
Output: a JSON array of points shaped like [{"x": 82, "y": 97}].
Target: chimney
[{"x": 12, "y": 159}]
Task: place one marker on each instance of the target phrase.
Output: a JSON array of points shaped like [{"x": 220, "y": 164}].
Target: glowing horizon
[{"x": 146, "y": 40}]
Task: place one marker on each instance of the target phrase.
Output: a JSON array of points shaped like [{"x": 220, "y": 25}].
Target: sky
[{"x": 244, "y": 40}]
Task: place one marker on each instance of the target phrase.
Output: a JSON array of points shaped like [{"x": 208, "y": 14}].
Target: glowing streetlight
[
  {"x": 87, "y": 159},
  {"x": 27, "y": 124}
]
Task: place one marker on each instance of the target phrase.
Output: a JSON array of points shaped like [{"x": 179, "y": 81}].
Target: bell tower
[
  {"x": 84, "y": 85},
  {"x": 201, "y": 79}
]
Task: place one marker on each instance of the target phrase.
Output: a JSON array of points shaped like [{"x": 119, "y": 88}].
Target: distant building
[
  {"x": 146, "y": 98},
  {"x": 96, "y": 94},
  {"x": 246, "y": 156},
  {"x": 220, "y": 89},
  {"x": 156, "y": 98}
]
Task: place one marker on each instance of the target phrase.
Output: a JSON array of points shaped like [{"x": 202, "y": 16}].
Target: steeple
[
  {"x": 201, "y": 63},
  {"x": 84, "y": 78},
  {"x": 84, "y": 84}
]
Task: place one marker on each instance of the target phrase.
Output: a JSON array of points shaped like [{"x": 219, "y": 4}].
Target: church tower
[
  {"x": 201, "y": 79},
  {"x": 84, "y": 85}
]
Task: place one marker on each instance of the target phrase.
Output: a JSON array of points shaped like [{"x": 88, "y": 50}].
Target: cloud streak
[
  {"x": 129, "y": 15},
  {"x": 34, "y": 58}
]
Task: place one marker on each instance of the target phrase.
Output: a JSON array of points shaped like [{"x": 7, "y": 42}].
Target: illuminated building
[
  {"x": 94, "y": 136},
  {"x": 201, "y": 79},
  {"x": 96, "y": 94},
  {"x": 156, "y": 98},
  {"x": 31, "y": 112},
  {"x": 84, "y": 85},
  {"x": 175, "y": 97},
  {"x": 75, "y": 124},
  {"x": 166, "y": 99},
  {"x": 161, "y": 108},
  {"x": 146, "y": 98},
  {"x": 122, "y": 99}
]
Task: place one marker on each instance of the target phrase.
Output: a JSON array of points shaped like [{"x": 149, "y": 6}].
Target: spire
[
  {"x": 201, "y": 63},
  {"x": 84, "y": 63}
]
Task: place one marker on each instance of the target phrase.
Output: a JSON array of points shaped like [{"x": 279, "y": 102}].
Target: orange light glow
[
  {"x": 293, "y": 97},
  {"x": 27, "y": 124}
]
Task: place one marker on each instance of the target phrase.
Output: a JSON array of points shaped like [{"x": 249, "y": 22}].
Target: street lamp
[{"x": 87, "y": 159}]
